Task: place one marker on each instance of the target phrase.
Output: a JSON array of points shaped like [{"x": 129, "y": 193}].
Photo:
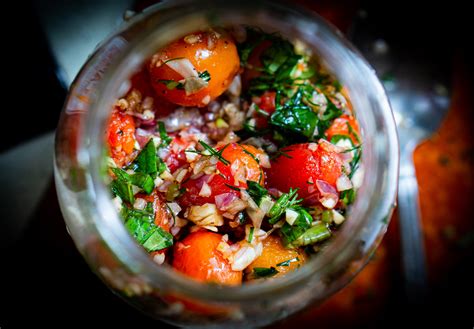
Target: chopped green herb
[
  {"x": 165, "y": 139},
  {"x": 284, "y": 202},
  {"x": 295, "y": 117},
  {"x": 290, "y": 233},
  {"x": 250, "y": 153},
  {"x": 123, "y": 190},
  {"x": 348, "y": 197},
  {"x": 251, "y": 234},
  {"x": 213, "y": 152},
  {"x": 326, "y": 216},
  {"x": 205, "y": 76},
  {"x": 288, "y": 262},
  {"x": 316, "y": 233},
  {"x": 256, "y": 191},
  {"x": 146, "y": 161},
  {"x": 264, "y": 272},
  {"x": 171, "y": 84},
  {"x": 235, "y": 188}
]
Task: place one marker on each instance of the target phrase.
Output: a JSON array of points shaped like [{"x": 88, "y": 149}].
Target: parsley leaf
[
  {"x": 139, "y": 179},
  {"x": 256, "y": 191},
  {"x": 205, "y": 76}
]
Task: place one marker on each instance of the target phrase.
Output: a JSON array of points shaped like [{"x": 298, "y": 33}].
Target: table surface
[{"x": 47, "y": 279}]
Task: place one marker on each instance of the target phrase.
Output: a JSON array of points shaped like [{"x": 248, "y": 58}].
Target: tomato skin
[
  {"x": 304, "y": 166},
  {"x": 266, "y": 102},
  {"x": 219, "y": 183},
  {"x": 121, "y": 136},
  {"x": 221, "y": 62},
  {"x": 275, "y": 253},
  {"x": 340, "y": 127},
  {"x": 254, "y": 62},
  {"x": 197, "y": 256}
]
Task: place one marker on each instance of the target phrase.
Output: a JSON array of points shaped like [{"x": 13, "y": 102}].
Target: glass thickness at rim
[{"x": 380, "y": 151}]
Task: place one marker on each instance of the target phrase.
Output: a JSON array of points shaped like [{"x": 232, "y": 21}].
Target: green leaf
[
  {"x": 158, "y": 240},
  {"x": 348, "y": 197},
  {"x": 264, "y": 272},
  {"x": 295, "y": 116},
  {"x": 256, "y": 191},
  {"x": 142, "y": 180},
  {"x": 288, "y": 262},
  {"x": 205, "y": 76},
  {"x": 146, "y": 161},
  {"x": 140, "y": 224},
  {"x": 284, "y": 202},
  {"x": 123, "y": 190},
  {"x": 171, "y": 84},
  {"x": 313, "y": 235},
  {"x": 292, "y": 232},
  {"x": 165, "y": 138},
  {"x": 251, "y": 234}
]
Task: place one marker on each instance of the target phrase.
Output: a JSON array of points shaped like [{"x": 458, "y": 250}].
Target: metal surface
[{"x": 416, "y": 84}]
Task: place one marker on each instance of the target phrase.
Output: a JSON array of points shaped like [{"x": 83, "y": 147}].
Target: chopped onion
[
  {"x": 194, "y": 84},
  {"x": 358, "y": 177},
  {"x": 337, "y": 217},
  {"x": 159, "y": 258},
  {"x": 205, "y": 215},
  {"x": 205, "y": 190},
  {"x": 183, "y": 67},
  {"x": 174, "y": 207},
  {"x": 328, "y": 194},
  {"x": 312, "y": 146},
  {"x": 266, "y": 204},
  {"x": 291, "y": 216},
  {"x": 244, "y": 257},
  {"x": 139, "y": 204},
  {"x": 343, "y": 183},
  {"x": 235, "y": 88}
]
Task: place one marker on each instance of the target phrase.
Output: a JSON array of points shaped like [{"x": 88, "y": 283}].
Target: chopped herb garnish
[
  {"x": 171, "y": 84},
  {"x": 251, "y": 234},
  {"x": 250, "y": 153},
  {"x": 205, "y": 76},
  {"x": 120, "y": 185},
  {"x": 235, "y": 188},
  {"x": 123, "y": 190},
  {"x": 165, "y": 139},
  {"x": 146, "y": 161},
  {"x": 314, "y": 234},
  {"x": 264, "y": 272},
  {"x": 140, "y": 224},
  {"x": 284, "y": 202},
  {"x": 295, "y": 117},
  {"x": 256, "y": 191},
  {"x": 288, "y": 262},
  {"x": 348, "y": 196},
  {"x": 213, "y": 152},
  {"x": 302, "y": 223}
]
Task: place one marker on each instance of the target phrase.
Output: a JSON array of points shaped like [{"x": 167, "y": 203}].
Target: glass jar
[{"x": 113, "y": 254}]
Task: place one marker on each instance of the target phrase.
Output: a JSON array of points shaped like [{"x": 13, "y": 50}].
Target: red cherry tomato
[
  {"x": 197, "y": 256},
  {"x": 242, "y": 161},
  {"x": 215, "y": 53},
  {"x": 121, "y": 137},
  {"x": 302, "y": 166},
  {"x": 266, "y": 103},
  {"x": 340, "y": 126}
]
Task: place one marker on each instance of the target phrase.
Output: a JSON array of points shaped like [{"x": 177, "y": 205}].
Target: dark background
[{"x": 44, "y": 279}]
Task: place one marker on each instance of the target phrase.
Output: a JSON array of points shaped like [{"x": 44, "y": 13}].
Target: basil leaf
[
  {"x": 139, "y": 179},
  {"x": 295, "y": 116},
  {"x": 158, "y": 240},
  {"x": 146, "y": 161},
  {"x": 123, "y": 189},
  {"x": 264, "y": 272}
]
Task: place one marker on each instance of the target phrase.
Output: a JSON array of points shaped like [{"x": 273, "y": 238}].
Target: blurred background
[{"x": 45, "y": 278}]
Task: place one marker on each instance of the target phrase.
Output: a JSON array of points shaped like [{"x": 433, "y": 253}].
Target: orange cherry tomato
[
  {"x": 275, "y": 253},
  {"x": 121, "y": 137},
  {"x": 219, "y": 183},
  {"x": 302, "y": 166},
  {"x": 340, "y": 126},
  {"x": 213, "y": 52},
  {"x": 197, "y": 256}
]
